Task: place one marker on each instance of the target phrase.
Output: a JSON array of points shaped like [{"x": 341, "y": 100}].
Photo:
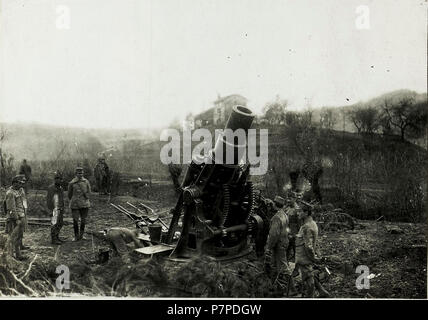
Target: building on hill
[{"x": 218, "y": 114}]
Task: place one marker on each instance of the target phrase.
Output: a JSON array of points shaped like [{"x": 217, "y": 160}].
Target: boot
[
  {"x": 62, "y": 240},
  {"x": 322, "y": 293},
  {"x": 76, "y": 230},
  {"x": 291, "y": 288},
  {"x": 18, "y": 255},
  {"x": 53, "y": 236},
  {"x": 82, "y": 231},
  {"x": 56, "y": 241},
  {"x": 21, "y": 245},
  {"x": 309, "y": 290}
]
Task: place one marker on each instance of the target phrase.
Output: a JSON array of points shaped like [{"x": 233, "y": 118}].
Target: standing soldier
[
  {"x": 25, "y": 170},
  {"x": 266, "y": 209},
  {"x": 79, "y": 190},
  {"x": 276, "y": 263},
  {"x": 55, "y": 203},
  {"x": 102, "y": 175},
  {"x": 306, "y": 241},
  {"x": 15, "y": 216}
]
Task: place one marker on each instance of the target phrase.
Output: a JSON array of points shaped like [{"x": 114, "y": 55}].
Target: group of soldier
[
  {"x": 292, "y": 231},
  {"x": 78, "y": 192},
  {"x": 293, "y": 235}
]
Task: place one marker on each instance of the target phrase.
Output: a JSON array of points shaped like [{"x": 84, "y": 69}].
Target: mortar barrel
[{"x": 240, "y": 118}]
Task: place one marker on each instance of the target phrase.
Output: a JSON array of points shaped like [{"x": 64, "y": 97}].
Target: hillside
[{"x": 40, "y": 142}]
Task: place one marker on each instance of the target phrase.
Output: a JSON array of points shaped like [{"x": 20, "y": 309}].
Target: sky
[{"x": 145, "y": 63}]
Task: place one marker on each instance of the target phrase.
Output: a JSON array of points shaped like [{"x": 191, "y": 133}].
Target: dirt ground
[{"x": 395, "y": 254}]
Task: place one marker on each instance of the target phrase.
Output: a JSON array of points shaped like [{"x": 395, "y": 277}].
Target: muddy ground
[{"x": 395, "y": 254}]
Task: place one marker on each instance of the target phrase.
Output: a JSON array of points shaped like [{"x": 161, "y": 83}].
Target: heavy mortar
[{"x": 217, "y": 200}]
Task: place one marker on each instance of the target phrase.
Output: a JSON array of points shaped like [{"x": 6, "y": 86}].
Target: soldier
[
  {"x": 118, "y": 238},
  {"x": 102, "y": 175},
  {"x": 276, "y": 262},
  {"x": 79, "y": 190},
  {"x": 25, "y": 170},
  {"x": 55, "y": 203},
  {"x": 15, "y": 216},
  {"x": 266, "y": 209},
  {"x": 306, "y": 241}
]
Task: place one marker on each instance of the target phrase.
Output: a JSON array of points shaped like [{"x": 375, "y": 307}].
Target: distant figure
[
  {"x": 15, "y": 216},
  {"x": 118, "y": 238},
  {"x": 79, "y": 190},
  {"x": 175, "y": 172},
  {"x": 55, "y": 203},
  {"x": 25, "y": 169},
  {"x": 102, "y": 175}
]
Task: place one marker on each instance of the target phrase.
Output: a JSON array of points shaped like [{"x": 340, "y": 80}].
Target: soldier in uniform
[
  {"x": 118, "y": 238},
  {"x": 15, "y": 216},
  {"x": 306, "y": 241},
  {"x": 276, "y": 264},
  {"x": 25, "y": 170},
  {"x": 102, "y": 175},
  {"x": 79, "y": 190},
  {"x": 266, "y": 209},
  {"x": 55, "y": 203}
]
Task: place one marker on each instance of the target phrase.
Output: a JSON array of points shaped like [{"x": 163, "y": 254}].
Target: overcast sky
[{"x": 141, "y": 63}]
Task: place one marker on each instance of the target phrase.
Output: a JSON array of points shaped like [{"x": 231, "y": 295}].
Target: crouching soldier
[
  {"x": 55, "y": 203},
  {"x": 15, "y": 216},
  {"x": 118, "y": 238},
  {"x": 306, "y": 241},
  {"x": 79, "y": 190},
  {"x": 276, "y": 264}
]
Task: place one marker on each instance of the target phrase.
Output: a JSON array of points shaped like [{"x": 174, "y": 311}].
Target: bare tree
[
  {"x": 365, "y": 119},
  {"x": 275, "y": 112},
  {"x": 403, "y": 115},
  {"x": 307, "y": 141}
]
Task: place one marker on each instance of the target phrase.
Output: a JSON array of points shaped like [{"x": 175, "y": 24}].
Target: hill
[{"x": 40, "y": 142}]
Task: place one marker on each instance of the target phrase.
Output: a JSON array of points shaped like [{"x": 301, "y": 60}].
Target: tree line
[{"x": 402, "y": 113}]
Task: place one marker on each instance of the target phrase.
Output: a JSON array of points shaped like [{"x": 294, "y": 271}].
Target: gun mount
[{"x": 217, "y": 201}]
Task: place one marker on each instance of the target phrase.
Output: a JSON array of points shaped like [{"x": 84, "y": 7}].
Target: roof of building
[{"x": 221, "y": 99}]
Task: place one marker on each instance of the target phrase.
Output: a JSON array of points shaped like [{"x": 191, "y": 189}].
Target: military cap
[
  {"x": 279, "y": 200},
  {"x": 18, "y": 178}
]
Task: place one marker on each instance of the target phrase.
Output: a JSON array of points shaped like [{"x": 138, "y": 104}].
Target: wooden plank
[
  {"x": 159, "y": 248},
  {"x": 144, "y": 237}
]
